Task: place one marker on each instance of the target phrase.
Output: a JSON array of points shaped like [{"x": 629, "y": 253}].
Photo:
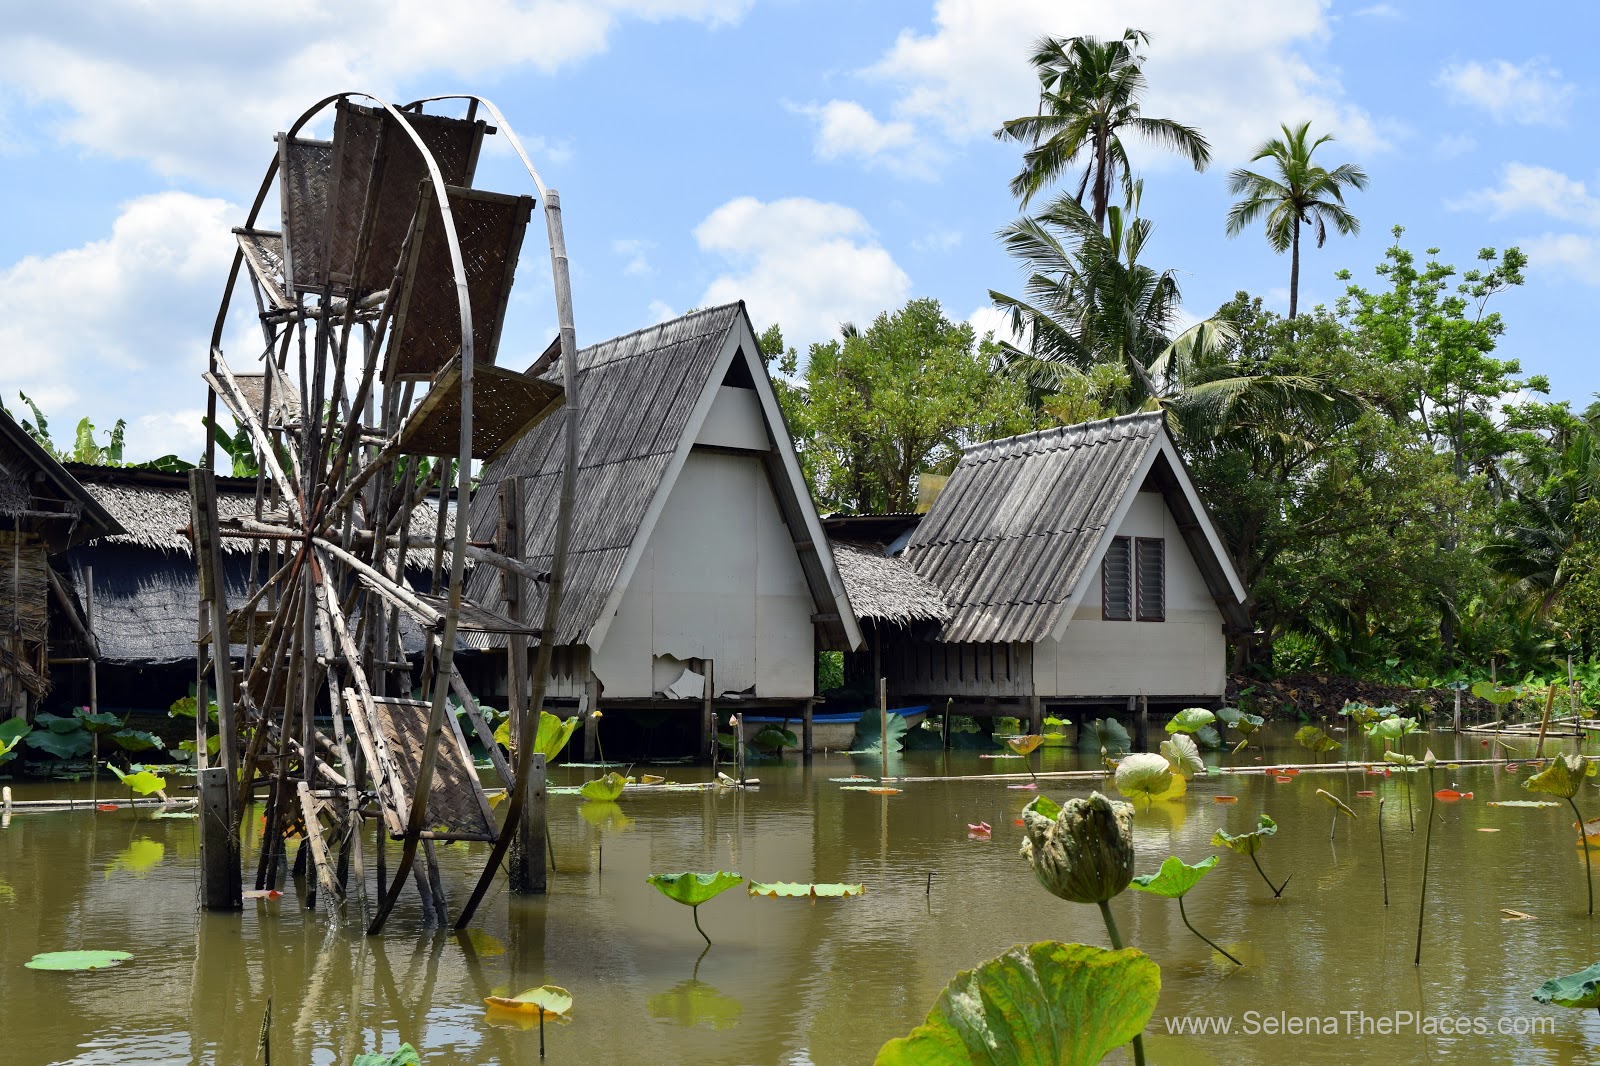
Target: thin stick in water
[
  {"x": 1383, "y": 857},
  {"x": 1422, "y": 899}
]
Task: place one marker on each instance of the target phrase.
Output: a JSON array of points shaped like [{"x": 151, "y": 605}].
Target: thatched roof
[
  {"x": 152, "y": 506},
  {"x": 883, "y": 588}
]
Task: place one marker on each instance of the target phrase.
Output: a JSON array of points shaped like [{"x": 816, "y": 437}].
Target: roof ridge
[
  {"x": 699, "y": 312},
  {"x": 1063, "y": 433}
]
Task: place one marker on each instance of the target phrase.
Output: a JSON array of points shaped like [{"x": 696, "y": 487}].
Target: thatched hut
[{"x": 44, "y": 511}]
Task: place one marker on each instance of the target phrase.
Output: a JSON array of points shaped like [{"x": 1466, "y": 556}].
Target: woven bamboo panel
[
  {"x": 455, "y": 804},
  {"x": 304, "y": 167},
  {"x": 357, "y": 132},
  {"x": 263, "y": 254},
  {"x": 505, "y": 405},
  {"x": 399, "y": 173},
  {"x": 427, "y": 329}
]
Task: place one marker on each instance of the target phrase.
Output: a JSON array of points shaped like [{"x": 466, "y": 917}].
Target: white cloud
[
  {"x": 633, "y": 251},
  {"x": 118, "y": 328},
  {"x": 1575, "y": 253},
  {"x": 971, "y": 73},
  {"x": 846, "y": 130},
  {"x": 1530, "y": 94},
  {"x": 1539, "y": 190},
  {"x": 661, "y": 311},
  {"x": 1380, "y": 11},
  {"x": 198, "y": 88},
  {"x": 937, "y": 240},
  {"x": 804, "y": 264},
  {"x": 990, "y": 319}
]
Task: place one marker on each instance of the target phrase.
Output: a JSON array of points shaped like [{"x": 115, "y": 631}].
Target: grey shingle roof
[{"x": 1011, "y": 535}]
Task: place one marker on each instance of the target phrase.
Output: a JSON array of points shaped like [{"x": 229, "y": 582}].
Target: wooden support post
[
  {"x": 219, "y": 865},
  {"x": 221, "y": 883},
  {"x": 883, "y": 726},
  {"x": 1144, "y": 723},
  {"x": 1572, "y": 700},
  {"x": 1035, "y": 715},
  {"x": 708, "y": 717},
  {"x": 807, "y": 729},
  {"x": 946, "y": 726},
  {"x": 93, "y": 651},
  {"x": 1455, "y": 719},
  {"x": 529, "y": 849}
]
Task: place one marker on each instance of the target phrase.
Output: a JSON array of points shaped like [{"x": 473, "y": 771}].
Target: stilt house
[
  {"x": 696, "y": 551},
  {"x": 1078, "y": 566}
]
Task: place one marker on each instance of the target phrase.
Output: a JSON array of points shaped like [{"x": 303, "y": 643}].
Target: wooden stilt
[
  {"x": 1035, "y": 715},
  {"x": 220, "y": 878},
  {"x": 806, "y": 729},
  {"x": 708, "y": 716},
  {"x": 220, "y": 869}
]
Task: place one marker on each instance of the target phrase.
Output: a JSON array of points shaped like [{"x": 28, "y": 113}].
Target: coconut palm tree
[
  {"x": 1540, "y": 525},
  {"x": 1089, "y": 93},
  {"x": 1302, "y": 193},
  {"x": 1087, "y": 299}
]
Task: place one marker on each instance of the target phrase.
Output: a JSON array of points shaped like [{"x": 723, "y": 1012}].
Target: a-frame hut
[
  {"x": 696, "y": 551},
  {"x": 1079, "y": 567},
  {"x": 44, "y": 512}
]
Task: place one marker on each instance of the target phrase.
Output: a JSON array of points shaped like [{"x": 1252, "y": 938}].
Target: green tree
[
  {"x": 875, "y": 408},
  {"x": 1298, "y": 193},
  {"x": 85, "y": 449},
  {"x": 1545, "y": 532},
  {"x": 1089, "y": 96},
  {"x": 1087, "y": 298}
]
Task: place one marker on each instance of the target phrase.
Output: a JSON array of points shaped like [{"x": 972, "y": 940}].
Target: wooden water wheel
[{"x": 380, "y": 299}]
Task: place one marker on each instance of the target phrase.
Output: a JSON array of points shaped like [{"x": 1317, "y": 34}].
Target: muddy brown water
[{"x": 1328, "y": 974}]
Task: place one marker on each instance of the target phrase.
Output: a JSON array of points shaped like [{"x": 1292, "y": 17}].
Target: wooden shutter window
[
  {"x": 1116, "y": 581},
  {"x": 1151, "y": 562}
]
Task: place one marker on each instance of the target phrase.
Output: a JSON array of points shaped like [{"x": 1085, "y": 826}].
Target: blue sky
[{"x": 822, "y": 161}]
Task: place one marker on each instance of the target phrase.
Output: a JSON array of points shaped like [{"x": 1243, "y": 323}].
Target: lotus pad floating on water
[
  {"x": 552, "y": 1000},
  {"x": 1580, "y": 990},
  {"x": 605, "y": 789},
  {"x": 77, "y": 960},
  {"x": 789, "y": 889}
]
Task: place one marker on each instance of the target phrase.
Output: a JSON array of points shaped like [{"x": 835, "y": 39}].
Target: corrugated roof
[
  {"x": 637, "y": 392},
  {"x": 1019, "y": 521}
]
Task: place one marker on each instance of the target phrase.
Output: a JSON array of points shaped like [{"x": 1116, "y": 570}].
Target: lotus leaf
[
  {"x": 1143, "y": 774},
  {"x": 1208, "y": 737},
  {"x": 1360, "y": 713},
  {"x": 866, "y": 740},
  {"x": 552, "y": 737},
  {"x": 1523, "y": 803},
  {"x": 404, "y": 1055},
  {"x": 1229, "y": 715},
  {"x": 137, "y": 740},
  {"x": 551, "y": 1000},
  {"x": 57, "y": 724},
  {"x": 1563, "y": 777},
  {"x": 1337, "y": 803},
  {"x": 1399, "y": 759},
  {"x": 143, "y": 782},
  {"x": 1061, "y": 1004},
  {"x": 781, "y": 889},
  {"x": 1488, "y": 690},
  {"x": 1190, "y": 720},
  {"x": 604, "y": 789},
  {"x": 1391, "y": 728},
  {"x": 1245, "y": 843},
  {"x": 73, "y": 745},
  {"x": 14, "y": 729},
  {"x": 1025, "y": 745},
  {"x": 1175, "y": 877},
  {"x": 1581, "y": 989},
  {"x": 1081, "y": 851},
  {"x": 1104, "y": 734},
  {"x": 101, "y": 722},
  {"x": 773, "y": 739},
  {"x": 694, "y": 1002},
  {"x": 693, "y": 889},
  {"x": 1249, "y": 723},
  {"x": 77, "y": 960},
  {"x": 1183, "y": 755},
  {"x": 1315, "y": 740}
]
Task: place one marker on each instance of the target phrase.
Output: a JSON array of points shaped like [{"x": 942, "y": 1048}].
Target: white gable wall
[
  {"x": 718, "y": 579},
  {"x": 1183, "y": 656}
]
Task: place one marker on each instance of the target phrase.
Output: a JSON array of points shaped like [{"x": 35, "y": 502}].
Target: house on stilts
[
  {"x": 698, "y": 570},
  {"x": 44, "y": 514},
  {"x": 1078, "y": 567}
]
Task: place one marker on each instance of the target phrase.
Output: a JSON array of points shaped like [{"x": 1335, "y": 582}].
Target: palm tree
[
  {"x": 1089, "y": 93},
  {"x": 1541, "y": 526},
  {"x": 1302, "y": 193},
  {"x": 1087, "y": 299}
]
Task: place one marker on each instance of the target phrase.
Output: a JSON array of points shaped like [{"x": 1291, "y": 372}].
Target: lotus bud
[{"x": 1085, "y": 854}]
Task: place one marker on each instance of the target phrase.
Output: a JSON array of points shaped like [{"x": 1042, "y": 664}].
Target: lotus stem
[
  {"x": 1583, "y": 842},
  {"x": 695, "y": 910},
  {"x": 1411, "y": 813},
  {"x": 1116, "y": 945},
  {"x": 1184, "y": 915},
  {"x": 541, "y": 1032},
  {"x": 1277, "y": 890},
  {"x": 1383, "y": 856},
  {"x": 1422, "y": 899}
]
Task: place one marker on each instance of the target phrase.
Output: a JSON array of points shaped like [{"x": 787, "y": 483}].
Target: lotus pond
[{"x": 829, "y": 980}]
